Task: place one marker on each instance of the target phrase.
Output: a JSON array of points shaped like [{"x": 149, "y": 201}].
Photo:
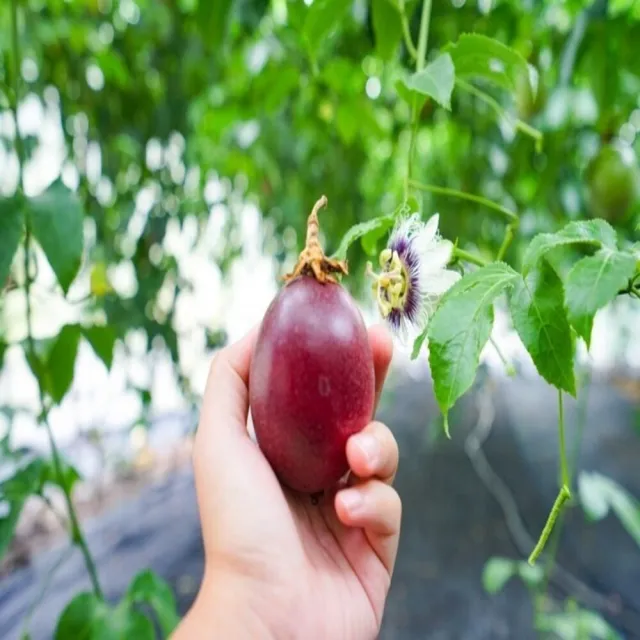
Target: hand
[{"x": 276, "y": 565}]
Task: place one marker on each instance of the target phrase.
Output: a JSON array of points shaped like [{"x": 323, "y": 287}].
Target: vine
[{"x": 548, "y": 308}]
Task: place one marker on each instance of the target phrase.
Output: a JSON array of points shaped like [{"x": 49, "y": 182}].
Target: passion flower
[{"x": 414, "y": 275}]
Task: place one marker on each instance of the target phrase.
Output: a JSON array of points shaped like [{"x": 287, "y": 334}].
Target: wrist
[{"x": 225, "y": 608}]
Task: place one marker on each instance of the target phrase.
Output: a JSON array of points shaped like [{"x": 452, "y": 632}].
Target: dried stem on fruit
[{"x": 312, "y": 260}]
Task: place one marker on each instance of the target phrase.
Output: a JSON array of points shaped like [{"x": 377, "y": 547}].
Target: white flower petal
[
  {"x": 440, "y": 282},
  {"x": 430, "y": 229},
  {"x": 436, "y": 257}
]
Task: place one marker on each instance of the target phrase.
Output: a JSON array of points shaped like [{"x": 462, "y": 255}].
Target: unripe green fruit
[{"x": 612, "y": 182}]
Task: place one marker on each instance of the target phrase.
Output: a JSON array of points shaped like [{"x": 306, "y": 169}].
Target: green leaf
[
  {"x": 62, "y": 360},
  {"x": 618, "y": 7},
  {"x": 27, "y": 480},
  {"x": 387, "y": 28},
  {"x": 81, "y": 618},
  {"x": 460, "y": 328},
  {"x": 594, "y": 282},
  {"x": 598, "y": 494},
  {"x": 436, "y": 80},
  {"x": 87, "y": 617},
  {"x": 531, "y": 575},
  {"x": 360, "y": 230},
  {"x": 56, "y": 219},
  {"x": 67, "y": 478},
  {"x": 149, "y": 588},
  {"x": 496, "y": 574},
  {"x": 576, "y": 624},
  {"x": 10, "y": 511},
  {"x": 417, "y": 344},
  {"x": 478, "y": 56},
  {"x": 11, "y": 226},
  {"x": 369, "y": 241},
  {"x": 3, "y": 349},
  {"x": 102, "y": 339},
  {"x": 539, "y": 317},
  {"x": 596, "y": 233},
  {"x": 322, "y": 18}
]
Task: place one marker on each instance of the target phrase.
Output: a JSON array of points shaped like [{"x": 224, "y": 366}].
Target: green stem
[
  {"x": 508, "y": 237},
  {"x": 564, "y": 467},
  {"x": 565, "y": 493},
  {"x": 16, "y": 87},
  {"x": 469, "y": 257},
  {"x": 573, "y": 469},
  {"x": 563, "y": 496},
  {"x": 446, "y": 191},
  {"x": 406, "y": 33},
  {"x": 423, "y": 39},
  {"x": 76, "y": 533},
  {"x": 507, "y": 365},
  {"x": 491, "y": 102}
]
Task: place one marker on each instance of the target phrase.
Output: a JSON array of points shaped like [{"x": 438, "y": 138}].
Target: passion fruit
[
  {"x": 612, "y": 182},
  {"x": 312, "y": 383}
]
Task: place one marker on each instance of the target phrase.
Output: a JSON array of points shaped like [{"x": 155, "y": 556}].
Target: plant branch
[
  {"x": 520, "y": 125},
  {"x": 76, "y": 533},
  {"x": 462, "y": 195},
  {"x": 423, "y": 39},
  {"x": 564, "y": 494},
  {"x": 406, "y": 33},
  {"x": 16, "y": 88},
  {"x": 508, "y": 237},
  {"x": 564, "y": 466},
  {"x": 423, "y": 36},
  {"x": 507, "y": 365},
  {"x": 469, "y": 257}
]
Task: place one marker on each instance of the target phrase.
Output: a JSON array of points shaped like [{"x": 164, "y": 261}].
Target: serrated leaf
[
  {"x": 62, "y": 361},
  {"x": 598, "y": 494},
  {"x": 460, "y": 328},
  {"x": 436, "y": 80},
  {"x": 478, "y": 56},
  {"x": 152, "y": 589},
  {"x": 102, "y": 339},
  {"x": 360, "y": 230},
  {"x": 496, "y": 573},
  {"x": 594, "y": 282},
  {"x": 596, "y": 233},
  {"x": 539, "y": 317},
  {"x": 322, "y": 17},
  {"x": 11, "y": 226},
  {"x": 387, "y": 28},
  {"x": 56, "y": 220}
]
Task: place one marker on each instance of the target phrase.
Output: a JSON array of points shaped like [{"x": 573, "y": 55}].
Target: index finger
[
  {"x": 382, "y": 348},
  {"x": 226, "y": 397}
]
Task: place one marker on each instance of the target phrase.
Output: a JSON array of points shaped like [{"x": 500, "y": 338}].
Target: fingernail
[
  {"x": 369, "y": 447},
  {"x": 352, "y": 500}
]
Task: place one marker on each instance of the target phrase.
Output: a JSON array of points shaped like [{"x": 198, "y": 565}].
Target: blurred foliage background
[{"x": 184, "y": 125}]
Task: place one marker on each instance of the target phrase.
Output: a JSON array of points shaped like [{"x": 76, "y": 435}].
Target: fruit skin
[
  {"x": 612, "y": 184},
  {"x": 311, "y": 384}
]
